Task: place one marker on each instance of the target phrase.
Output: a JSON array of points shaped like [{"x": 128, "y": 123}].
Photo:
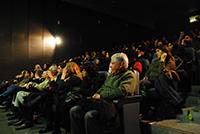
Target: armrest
[
  {"x": 129, "y": 99},
  {"x": 128, "y": 109}
]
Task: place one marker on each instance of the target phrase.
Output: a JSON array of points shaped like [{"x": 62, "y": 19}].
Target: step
[
  {"x": 174, "y": 126},
  {"x": 195, "y": 114},
  {"x": 180, "y": 125}
]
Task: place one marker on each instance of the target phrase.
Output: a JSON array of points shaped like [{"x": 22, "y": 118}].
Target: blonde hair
[{"x": 73, "y": 68}]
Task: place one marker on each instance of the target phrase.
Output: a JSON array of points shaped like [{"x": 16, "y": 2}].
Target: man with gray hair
[
  {"x": 120, "y": 83},
  {"x": 120, "y": 58}
]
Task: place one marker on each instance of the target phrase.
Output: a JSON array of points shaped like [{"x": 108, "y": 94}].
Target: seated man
[{"x": 92, "y": 118}]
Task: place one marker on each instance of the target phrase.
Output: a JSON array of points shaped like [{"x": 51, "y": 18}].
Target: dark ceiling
[{"x": 143, "y": 12}]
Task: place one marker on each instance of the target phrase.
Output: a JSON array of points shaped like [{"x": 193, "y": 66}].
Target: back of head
[
  {"x": 73, "y": 68},
  {"x": 39, "y": 73},
  {"x": 37, "y": 67},
  {"x": 91, "y": 69}
]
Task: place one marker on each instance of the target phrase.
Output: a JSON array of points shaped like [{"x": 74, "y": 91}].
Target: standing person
[{"x": 92, "y": 119}]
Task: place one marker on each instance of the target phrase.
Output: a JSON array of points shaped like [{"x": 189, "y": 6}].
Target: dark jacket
[{"x": 155, "y": 69}]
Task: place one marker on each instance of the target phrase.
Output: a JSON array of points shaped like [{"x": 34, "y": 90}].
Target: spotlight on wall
[
  {"x": 51, "y": 41},
  {"x": 58, "y": 40},
  {"x": 54, "y": 41}
]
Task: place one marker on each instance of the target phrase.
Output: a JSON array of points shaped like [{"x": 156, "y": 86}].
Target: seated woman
[
  {"x": 159, "y": 88},
  {"x": 65, "y": 85},
  {"x": 155, "y": 69},
  {"x": 92, "y": 80},
  {"x": 166, "y": 85},
  {"x": 92, "y": 118},
  {"x": 147, "y": 89}
]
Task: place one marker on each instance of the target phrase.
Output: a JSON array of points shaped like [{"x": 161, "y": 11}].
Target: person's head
[
  {"x": 103, "y": 52},
  {"x": 46, "y": 66},
  {"x": 60, "y": 67},
  {"x": 38, "y": 74},
  {"x": 170, "y": 46},
  {"x": 97, "y": 61},
  {"x": 119, "y": 62},
  {"x": 187, "y": 39},
  {"x": 164, "y": 49},
  {"x": 37, "y": 67},
  {"x": 45, "y": 75},
  {"x": 163, "y": 53},
  {"x": 27, "y": 74},
  {"x": 89, "y": 69},
  {"x": 107, "y": 55},
  {"x": 53, "y": 70},
  {"x": 72, "y": 68},
  {"x": 159, "y": 52},
  {"x": 21, "y": 75},
  {"x": 93, "y": 54}
]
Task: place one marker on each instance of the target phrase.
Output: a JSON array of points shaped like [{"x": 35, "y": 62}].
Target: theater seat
[
  {"x": 128, "y": 109},
  {"x": 103, "y": 74}
]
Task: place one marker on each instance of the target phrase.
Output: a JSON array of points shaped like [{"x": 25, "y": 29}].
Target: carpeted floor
[{"x": 5, "y": 129}]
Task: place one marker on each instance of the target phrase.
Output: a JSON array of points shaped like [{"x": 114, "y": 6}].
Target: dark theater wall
[
  {"x": 5, "y": 34},
  {"x": 21, "y": 36},
  {"x": 26, "y": 26}
]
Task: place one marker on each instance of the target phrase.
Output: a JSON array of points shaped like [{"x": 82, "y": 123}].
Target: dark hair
[
  {"x": 90, "y": 68},
  {"x": 39, "y": 73},
  {"x": 166, "y": 49},
  {"x": 161, "y": 48},
  {"x": 47, "y": 66},
  {"x": 62, "y": 64}
]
